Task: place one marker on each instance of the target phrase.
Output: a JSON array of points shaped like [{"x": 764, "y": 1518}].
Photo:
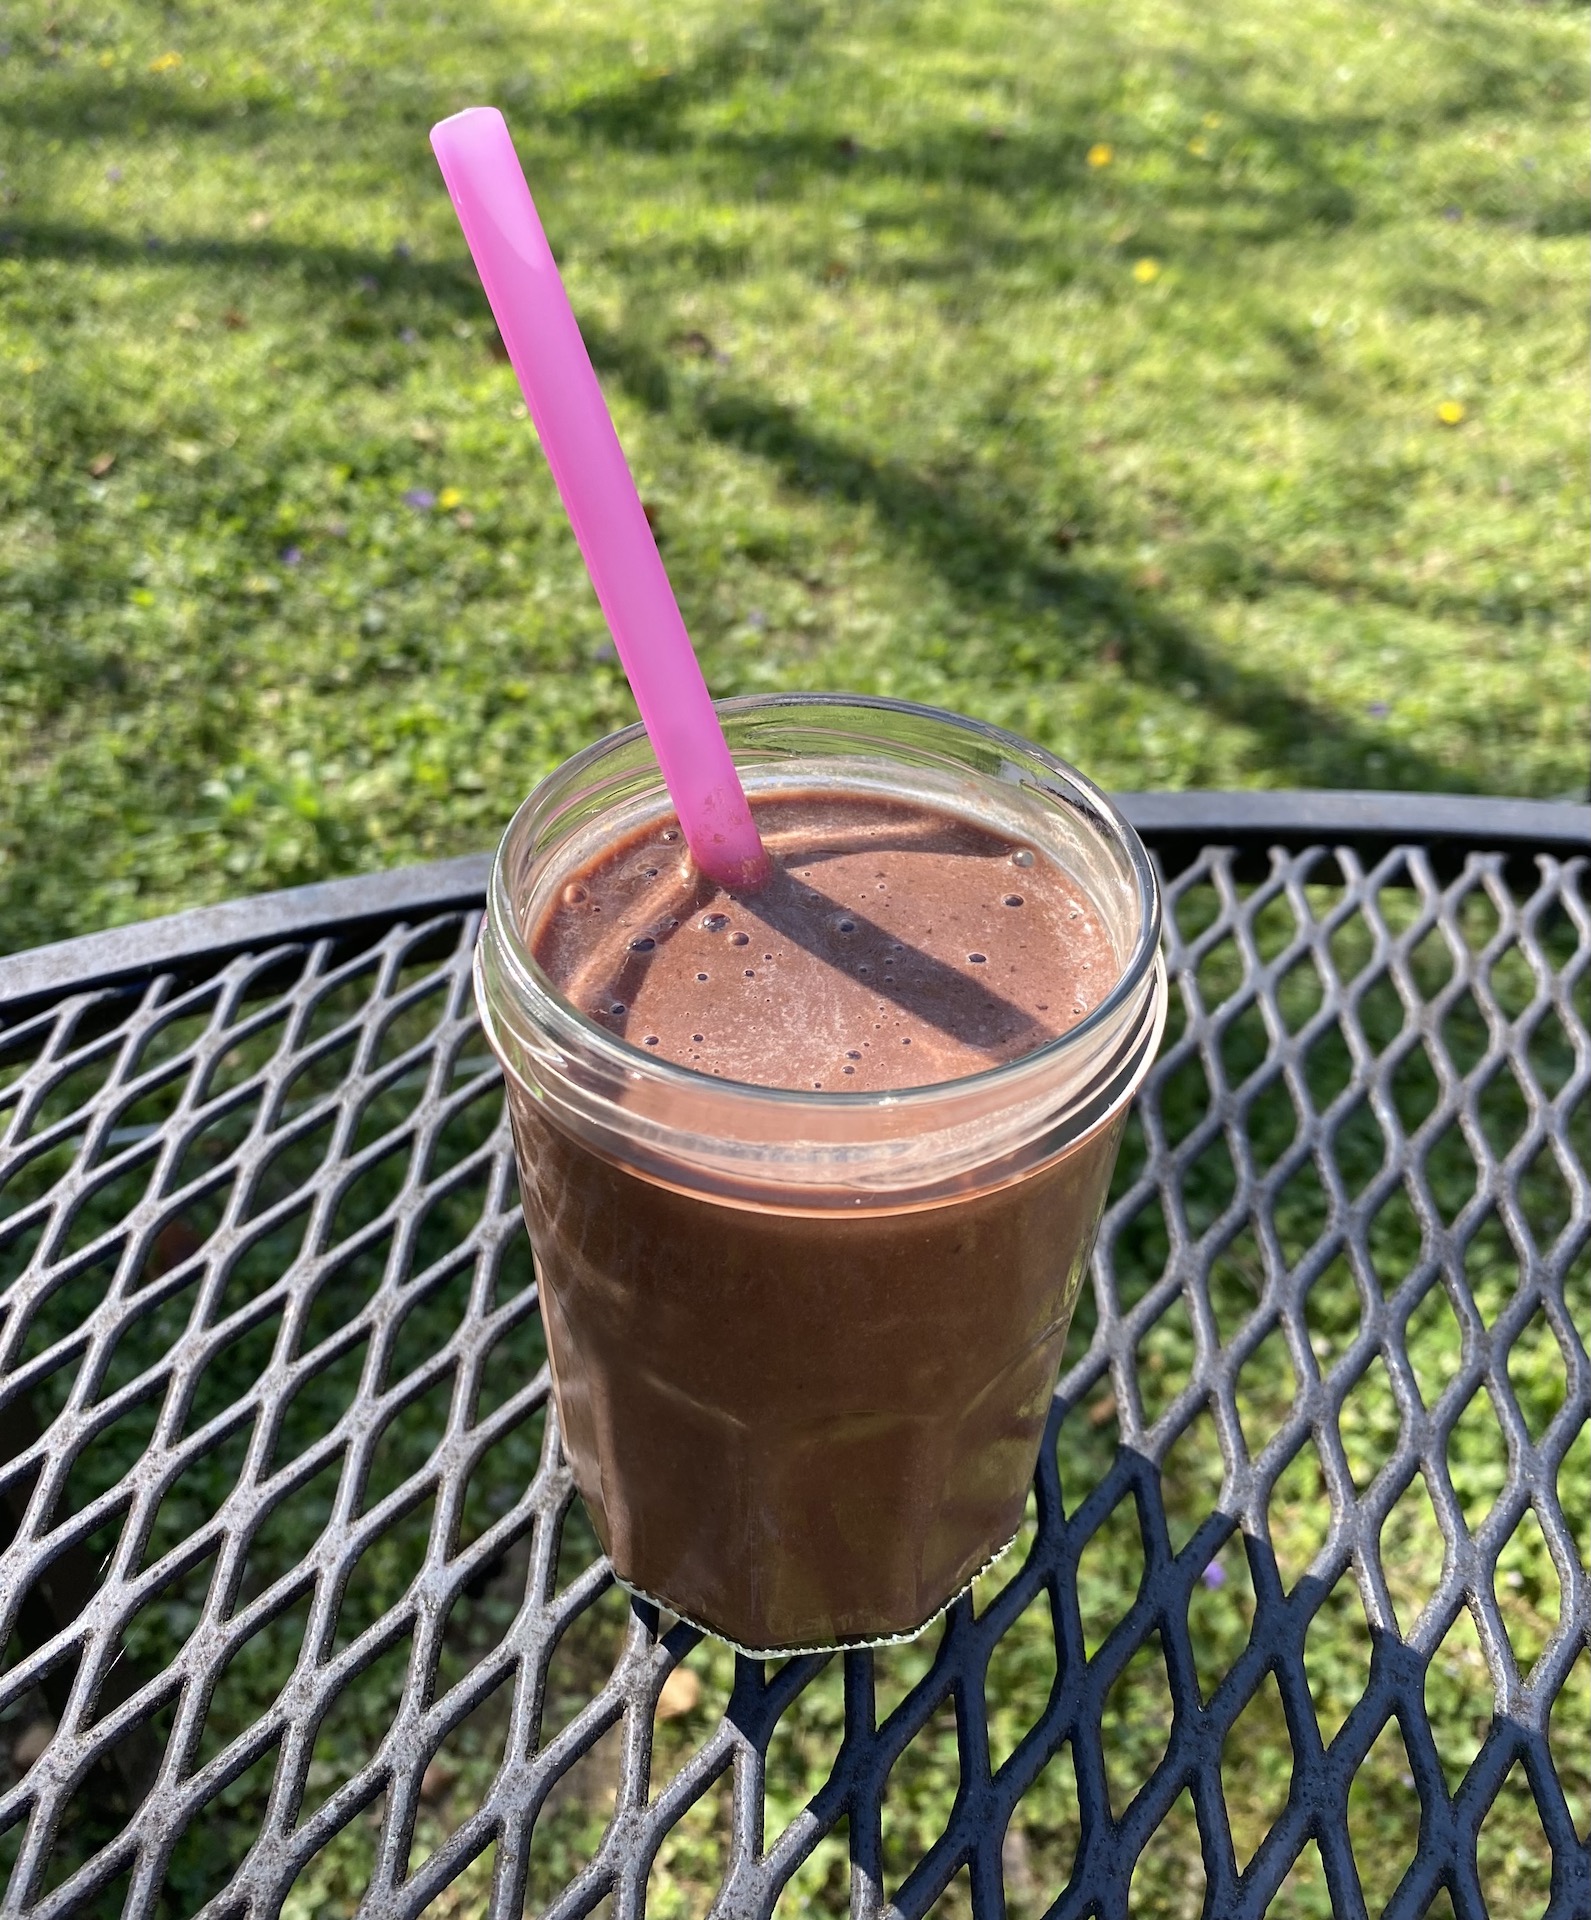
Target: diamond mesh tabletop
[{"x": 300, "y": 1615}]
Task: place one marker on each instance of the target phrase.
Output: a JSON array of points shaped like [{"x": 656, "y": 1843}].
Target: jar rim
[{"x": 543, "y": 998}]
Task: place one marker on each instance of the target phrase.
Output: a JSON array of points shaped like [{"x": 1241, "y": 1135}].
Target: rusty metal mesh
[{"x": 278, "y": 1447}]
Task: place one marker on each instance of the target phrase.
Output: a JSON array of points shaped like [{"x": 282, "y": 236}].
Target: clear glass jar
[{"x": 803, "y": 1343}]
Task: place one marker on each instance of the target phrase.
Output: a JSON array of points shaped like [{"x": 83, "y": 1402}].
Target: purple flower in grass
[
  {"x": 1214, "y": 1576},
  {"x": 422, "y": 499}
]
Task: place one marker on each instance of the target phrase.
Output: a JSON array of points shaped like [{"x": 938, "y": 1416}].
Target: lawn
[
  {"x": 1201, "y": 394},
  {"x": 1199, "y": 391}
]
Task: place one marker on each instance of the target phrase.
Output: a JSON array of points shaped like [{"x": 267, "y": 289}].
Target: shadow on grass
[
  {"x": 992, "y": 569},
  {"x": 81, "y": 108},
  {"x": 963, "y": 527},
  {"x": 1295, "y": 179},
  {"x": 971, "y": 544}
]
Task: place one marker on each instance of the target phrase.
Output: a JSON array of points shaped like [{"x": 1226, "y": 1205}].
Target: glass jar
[{"x": 804, "y": 1343}]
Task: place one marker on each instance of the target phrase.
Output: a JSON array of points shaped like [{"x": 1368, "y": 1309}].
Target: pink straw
[{"x": 527, "y": 297}]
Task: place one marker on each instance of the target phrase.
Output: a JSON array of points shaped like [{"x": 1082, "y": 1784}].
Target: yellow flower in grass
[
  {"x": 1146, "y": 270},
  {"x": 165, "y": 63},
  {"x": 1100, "y": 154},
  {"x": 1450, "y": 413},
  {"x": 449, "y": 498}
]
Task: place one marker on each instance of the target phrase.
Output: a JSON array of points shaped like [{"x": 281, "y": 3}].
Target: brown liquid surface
[{"x": 896, "y": 945}]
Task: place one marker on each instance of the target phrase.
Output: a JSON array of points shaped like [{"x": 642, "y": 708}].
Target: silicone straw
[{"x": 504, "y": 233}]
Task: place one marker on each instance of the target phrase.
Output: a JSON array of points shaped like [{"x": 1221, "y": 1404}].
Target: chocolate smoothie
[
  {"x": 801, "y": 1426},
  {"x": 896, "y": 946}
]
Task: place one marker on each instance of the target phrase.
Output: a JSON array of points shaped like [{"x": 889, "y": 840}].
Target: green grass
[{"x": 874, "y": 329}]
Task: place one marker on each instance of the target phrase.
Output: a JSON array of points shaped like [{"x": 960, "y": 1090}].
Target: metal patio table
[{"x": 260, "y": 1249}]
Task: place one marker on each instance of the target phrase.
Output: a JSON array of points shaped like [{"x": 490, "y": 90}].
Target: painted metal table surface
[{"x": 277, "y": 1456}]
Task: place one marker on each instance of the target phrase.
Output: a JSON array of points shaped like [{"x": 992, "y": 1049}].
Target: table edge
[{"x": 1252, "y": 820}]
